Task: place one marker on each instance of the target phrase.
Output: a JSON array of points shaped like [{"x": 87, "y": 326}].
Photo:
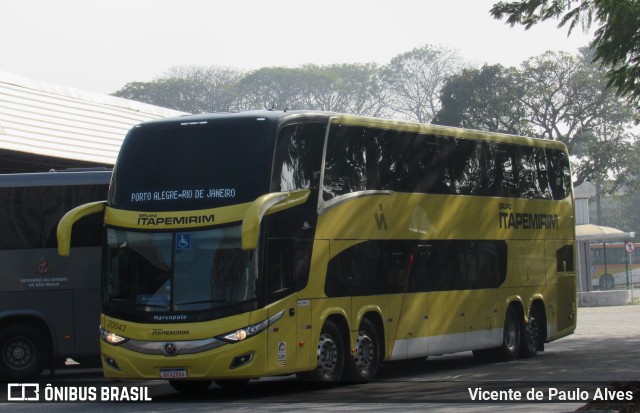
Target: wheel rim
[
  {"x": 327, "y": 355},
  {"x": 365, "y": 352},
  {"x": 19, "y": 353},
  {"x": 510, "y": 333}
]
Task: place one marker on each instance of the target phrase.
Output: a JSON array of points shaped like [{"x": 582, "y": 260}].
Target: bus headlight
[
  {"x": 112, "y": 338},
  {"x": 250, "y": 331}
]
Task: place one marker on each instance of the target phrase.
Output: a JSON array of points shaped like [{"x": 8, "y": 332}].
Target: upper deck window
[
  {"x": 189, "y": 166},
  {"x": 362, "y": 159}
]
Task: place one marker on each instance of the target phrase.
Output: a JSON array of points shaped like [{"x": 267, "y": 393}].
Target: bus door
[{"x": 285, "y": 266}]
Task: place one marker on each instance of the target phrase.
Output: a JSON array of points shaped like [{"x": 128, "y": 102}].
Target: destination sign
[{"x": 182, "y": 194}]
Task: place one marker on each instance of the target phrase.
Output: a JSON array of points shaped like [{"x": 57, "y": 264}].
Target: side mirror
[
  {"x": 66, "y": 224},
  {"x": 265, "y": 205}
]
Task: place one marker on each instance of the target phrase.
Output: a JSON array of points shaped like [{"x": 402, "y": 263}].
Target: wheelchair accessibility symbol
[{"x": 183, "y": 241}]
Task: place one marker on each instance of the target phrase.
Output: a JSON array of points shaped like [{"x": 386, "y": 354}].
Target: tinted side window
[
  {"x": 346, "y": 162},
  {"x": 469, "y": 167},
  {"x": 297, "y": 157},
  {"x": 386, "y": 267},
  {"x": 564, "y": 257},
  {"x": 361, "y": 159},
  {"x": 368, "y": 268},
  {"x": 559, "y": 174},
  {"x": 287, "y": 267},
  {"x": 29, "y": 216}
]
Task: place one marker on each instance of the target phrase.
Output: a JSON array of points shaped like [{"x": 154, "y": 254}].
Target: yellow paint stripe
[{"x": 174, "y": 219}]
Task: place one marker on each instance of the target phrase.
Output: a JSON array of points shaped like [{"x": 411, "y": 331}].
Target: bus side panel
[
  {"x": 86, "y": 322},
  {"x": 526, "y": 263},
  {"x": 446, "y": 321},
  {"x": 65, "y": 291},
  {"x": 560, "y": 297},
  {"x": 282, "y": 343},
  {"x": 566, "y": 305},
  {"x": 480, "y": 321},
  {"x": 53, "y": 308},
  {"x": 411, "y": 339}
]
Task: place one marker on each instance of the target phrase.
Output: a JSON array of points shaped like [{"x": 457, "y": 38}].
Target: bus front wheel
[
  {"x": 190, "y": 386},
  {"x": 23, "y": 352},
  {"x": 330, "y": 356}
]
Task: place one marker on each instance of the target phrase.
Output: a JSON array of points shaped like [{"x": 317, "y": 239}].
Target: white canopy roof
[
  {"x": 55, "y": 121},
  {"x": 590, "y": 232}
]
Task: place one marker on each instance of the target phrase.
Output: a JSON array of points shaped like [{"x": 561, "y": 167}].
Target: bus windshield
[
  {"x": 192, "y": 165},
  {"x": 188, "y": 271}
]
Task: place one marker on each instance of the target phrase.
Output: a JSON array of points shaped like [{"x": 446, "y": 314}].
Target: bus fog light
[
  {"x": 241, "y": 361},
  {"x": 111, "y": 363}
]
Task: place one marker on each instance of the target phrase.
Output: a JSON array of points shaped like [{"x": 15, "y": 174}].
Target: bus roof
[
  {"x": 356, "y": 120},
  {"x": 56, "y": 178}
]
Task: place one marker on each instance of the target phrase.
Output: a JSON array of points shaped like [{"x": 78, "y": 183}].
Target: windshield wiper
[
  {"x": 222, "y": 301},
  {"x": 205, "y": 302}
]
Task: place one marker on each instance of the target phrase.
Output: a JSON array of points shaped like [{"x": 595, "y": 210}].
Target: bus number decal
[{"x": 112, "y": 325}]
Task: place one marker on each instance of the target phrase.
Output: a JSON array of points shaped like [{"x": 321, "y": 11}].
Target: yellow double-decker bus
[{"x": 267, "y": 243}]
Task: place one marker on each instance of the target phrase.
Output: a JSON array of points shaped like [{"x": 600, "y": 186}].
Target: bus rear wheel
[
  {"x": 510, "y": 336},
  {"x": 532, "y": 334},
  {"x": 330, "y": 356},
  {"x": 363, "y": 365},
  {"x": 23, "y": 352}
]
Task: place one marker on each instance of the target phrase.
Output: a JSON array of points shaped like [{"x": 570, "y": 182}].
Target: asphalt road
[{"x": 605, "y": 349}]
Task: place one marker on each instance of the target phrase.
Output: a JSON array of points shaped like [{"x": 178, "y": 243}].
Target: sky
[{"x": 99, "y": 46}]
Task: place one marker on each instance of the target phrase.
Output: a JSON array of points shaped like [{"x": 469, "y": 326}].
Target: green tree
[
  {"x": 616, "y": 41},
  {"x": 554, "y": 96},
  {"x": 621, "y": 211},
  {"x": 193, "y": 89},
  {"x": 415, "y": 79},
  {"x": 488, "y": 99},
  {"x": 271, "y": 88},
  {"x": 567, "y": 99},
  {"x": 350, "y": 88}
]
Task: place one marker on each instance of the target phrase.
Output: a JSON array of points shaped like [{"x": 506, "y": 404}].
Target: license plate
[{"x": 173, "y": 373}]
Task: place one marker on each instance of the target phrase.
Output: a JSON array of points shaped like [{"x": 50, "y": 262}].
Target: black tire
[
  {"x": 232, "y": 383},
  {"x": 363, "y": 365},
  {"x": 511, "y": 336},
  {"x": 24, "y": 352},
  {"x": 330, "y": 356},
  {"x": 607, "y": 282},
  {"x": 531, "y": 335},
  {"x": 485, "y": 355},
  {"x": 190, "y": 386}
]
